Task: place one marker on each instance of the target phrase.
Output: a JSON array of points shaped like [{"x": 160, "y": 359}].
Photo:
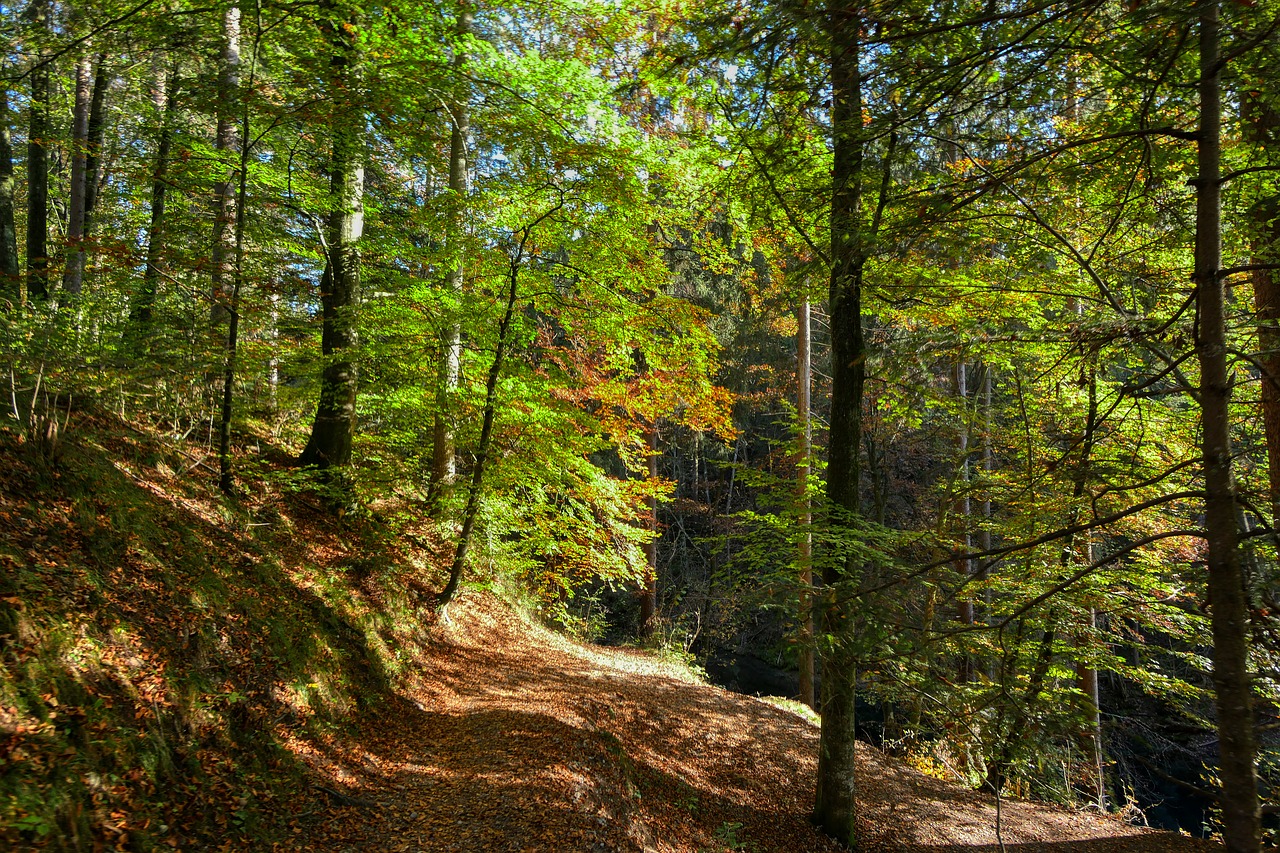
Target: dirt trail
[{"x": 519, "y": 741}]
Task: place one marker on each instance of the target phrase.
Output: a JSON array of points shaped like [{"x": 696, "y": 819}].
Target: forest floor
[
  {"x": 518, "y": 740},
  {"x": 183, "y": 670}
]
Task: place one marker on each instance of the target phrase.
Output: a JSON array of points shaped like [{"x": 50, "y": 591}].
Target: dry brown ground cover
[
  {"x": 518, "y": 741},
  {"x": 180, "y": 671}
]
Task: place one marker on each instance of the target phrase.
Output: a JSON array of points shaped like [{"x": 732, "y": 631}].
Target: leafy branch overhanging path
[{"x": 517, "y": 740}]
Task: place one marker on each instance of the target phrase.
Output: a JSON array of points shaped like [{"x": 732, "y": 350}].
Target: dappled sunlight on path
[{"x": 516, "y": 740}]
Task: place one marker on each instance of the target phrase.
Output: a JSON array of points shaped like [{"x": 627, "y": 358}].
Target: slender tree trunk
[
  {"x": 649, "y": 591},
  {"x": 804, "y": 371},
  {"x": 73, "y": 273},
  {"x": 334, "y": 427},
  {"x": 226, "y": 476},
  {"x": 10, "y": 271},
  {"x": 165, "y": 101},
  {"x": 1228, "y": 609},
  {"x": 443, "y": 464},
  {"x": 472, "y": 509},
  {"x": 226, "y": 143},
  {"x": 834, "y": 808},
  {"x": 1261, "y": 122},
  {"x": 963, "y": 509},
  {"x": 38, "y": 164},
  {"x": 1087, "y": 681},
  {"x": 93, "y": 142}
]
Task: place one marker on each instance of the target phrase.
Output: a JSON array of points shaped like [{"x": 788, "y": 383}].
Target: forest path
[{"x": 517, "y": 740}]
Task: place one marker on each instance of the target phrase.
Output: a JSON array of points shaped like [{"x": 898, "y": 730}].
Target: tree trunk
[
  {"x": 443, "y": 463},
  {"x": 165, "y": 102},
  {"x": 834, "y": 809},
  {"x": 804, "y": 371},
  {"x": 1227, "y": 600},
  {"x": 222, "y": 250},
  {"x": 10, "y": 272},
  {"x": 73, "y": 274},
  {"x": 38, "y": 164},
  {"x": 226, "y": 476},
  {"x": 472, "y": 509},
  {"x": 649, "y": 590},
  {"x": 962, "y": 509},
  {"x": 334, "y": 428},
  {"x": 93, "y": 143},
  {"x": 1261, "y": 122}
]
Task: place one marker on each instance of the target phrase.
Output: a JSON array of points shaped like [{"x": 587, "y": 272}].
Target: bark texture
[
  {"x": 1228, "y": 610},
  {"x": 226, "y": 143},
  {"x": 1261, "y": 122},
  {"x": 334, "y": 427},
  {"x": 834, "y": 807}
]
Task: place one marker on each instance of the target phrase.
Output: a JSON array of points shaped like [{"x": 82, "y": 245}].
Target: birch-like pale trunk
[
  {"x": 444, "y": 465},
  {"x": 804, "y": 385},
  {"x": 226, "y": 143}
]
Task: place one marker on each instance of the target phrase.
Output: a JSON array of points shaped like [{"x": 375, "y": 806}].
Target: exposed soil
[{"x": 519, "y": 741}]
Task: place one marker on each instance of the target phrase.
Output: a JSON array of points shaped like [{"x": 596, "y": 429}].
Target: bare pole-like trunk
[
  {"x": 222, "y": 250},
  {"x": 804, "y": 384},
  {"x": 834, "y": 808},
  {"x": 1087, "y": 681},
  {"x": 73, "y": 273},
  {"x": 443, "y": 462},
  {"x": 10, "y": 271},
  {"x": 226, "y": 476},
  {"x": 649, "y": 588},
  {"x": 963, "y": 509},
  {"x": 163, "y": 94},
  {"x": 38, "y": 162},
  {"x": 1228, "y": 605}
]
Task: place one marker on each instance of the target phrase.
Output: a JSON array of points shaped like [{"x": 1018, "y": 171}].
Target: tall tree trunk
[
  {"x": 1228, "y": 609},
  {"x": 1262, "y": 125},
  {"x": 963, "y": 509},
  {"x": 834, "y": 808},
  {"x": 93, "y": 143},
  {"x": 649, "y": 589},
  {"x": 38, "y": 131},
  {"x": 226, "y": 476},
  {"x": 334, "y": 427},
  {"x": 163, "y": 93},
  {"x": 73, "y": 273},
  {"x": 222, "y": 250},
  {"x": 804, "y": 384},
  {"x": 10, "y": 272},
  {"x": 443, "y": 463}
]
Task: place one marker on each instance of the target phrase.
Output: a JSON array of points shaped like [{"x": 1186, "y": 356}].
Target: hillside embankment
[{"x": 187, "y": 671}]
